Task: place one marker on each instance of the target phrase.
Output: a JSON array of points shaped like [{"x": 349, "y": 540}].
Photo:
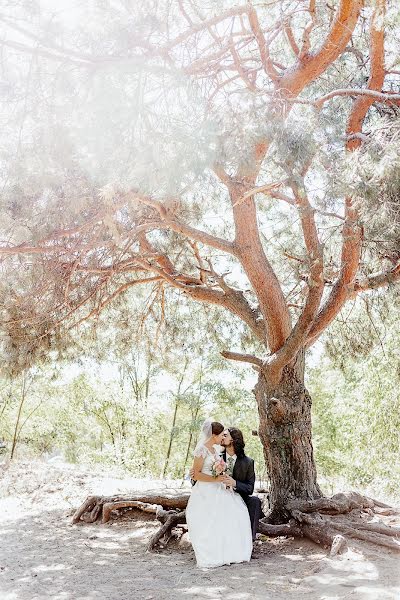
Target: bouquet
[{"x": 218, "y": 467}]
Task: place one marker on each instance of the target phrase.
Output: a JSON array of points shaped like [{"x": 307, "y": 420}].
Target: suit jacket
[{"x": 243, "y": 474}]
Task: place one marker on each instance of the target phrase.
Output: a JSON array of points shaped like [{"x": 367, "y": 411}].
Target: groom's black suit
[{"x": 244, "y": 475}]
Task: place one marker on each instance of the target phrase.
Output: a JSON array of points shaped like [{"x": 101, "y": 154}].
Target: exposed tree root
[
  {"x": 337, "y": 504},
  {"x": 348, "y": 514},
  {"x": 109, "y": 507},
  {"x": 149, "y": 501},
  {"x": 329, "y": 522},
  {"x": 169, "y": 519}
]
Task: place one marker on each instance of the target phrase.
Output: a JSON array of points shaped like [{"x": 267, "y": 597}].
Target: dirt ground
[{"x": 43, "y": 556}]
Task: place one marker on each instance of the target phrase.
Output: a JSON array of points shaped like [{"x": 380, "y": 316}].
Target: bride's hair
[
  {"x": 238, "y": 441},
  {"x": 216, "y": 428}
]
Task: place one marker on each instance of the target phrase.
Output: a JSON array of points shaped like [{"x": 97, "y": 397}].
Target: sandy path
[{"x": 42, "y": 556}]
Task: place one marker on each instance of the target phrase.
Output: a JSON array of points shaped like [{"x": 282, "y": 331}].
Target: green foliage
[
  {"x": 120, "y": 414},
  {"x": 356, "y": 409},
  {"x": 373, "y": 176}
]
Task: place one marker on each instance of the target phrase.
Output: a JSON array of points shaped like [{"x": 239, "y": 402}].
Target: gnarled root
[
  {"x": 167, "y": 506},
  {"x": 336, "y": 505},
  {"x": 329, "y": 521},
  {"x": 150, "y": 501},
  {"x": 169, "y": 519}
]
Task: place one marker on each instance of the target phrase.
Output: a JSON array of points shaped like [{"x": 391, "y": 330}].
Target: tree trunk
[
  {"x": 17, "y": 429},
  {"x": 171, "y": 437},
  {"x": 285, "y": 432},
  {"x": 177, "y": 400}
]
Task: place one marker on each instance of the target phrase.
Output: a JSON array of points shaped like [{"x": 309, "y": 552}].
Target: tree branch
[
  {"x": 314, "y": 64},
  {"x": 230, "y": 299},
  {"x": 352, "y": 231},
  {"x": 385, "y": 97},
  {"x": 239, "y": 67},
  {"x": 300, "y": 331},
  {"x": 170, "y": 221},
  {"x": 306, "y": 43},
  {"x": 248, "y": 358},
  {"x": 206, "y": 24},
  {"x": 262, "y": 44},
  {"x": 291, "y": 39},
  {"x": 257, "y": 267},
  {"x": 377, "y": 280}
]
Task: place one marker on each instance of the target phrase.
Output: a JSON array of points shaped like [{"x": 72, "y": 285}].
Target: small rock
[{"x": 184, "y": 542}]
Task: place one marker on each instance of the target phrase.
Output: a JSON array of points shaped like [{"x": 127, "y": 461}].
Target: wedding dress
[{"x": 218, "y": 521}]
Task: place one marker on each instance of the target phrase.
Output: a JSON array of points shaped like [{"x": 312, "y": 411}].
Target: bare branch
[
  {"x": 306, "y": 43},
  {"x": 262, "y": 45},
  {"x": 242, "y": 72},
  {"x": 248, "y": 358},
  {"x": 384, "y": 97},
  {"x": 291, "y": 39},
  {"x": 258, "y": 190},
  {"x": 170, "y": 221},
  {"x": 206, "y": 24}
]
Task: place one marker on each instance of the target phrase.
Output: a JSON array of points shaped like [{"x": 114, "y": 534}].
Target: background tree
[
  {"x": 356, "y": 397},
  {"x": 220, "y": 154}
]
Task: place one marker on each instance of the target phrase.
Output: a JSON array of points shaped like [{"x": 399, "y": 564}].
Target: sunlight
[
  {"x": 52, "y": 567},
  {"x": 199, "y": 299}
]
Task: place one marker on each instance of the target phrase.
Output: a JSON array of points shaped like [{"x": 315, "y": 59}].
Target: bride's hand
[{"x": 229, "y": 481}]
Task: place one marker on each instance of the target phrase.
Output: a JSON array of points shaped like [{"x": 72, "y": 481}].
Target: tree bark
[{"x": 285, "y": 432}]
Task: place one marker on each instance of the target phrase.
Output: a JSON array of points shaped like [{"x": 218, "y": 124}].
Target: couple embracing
[{"x": 222, "y": 515}]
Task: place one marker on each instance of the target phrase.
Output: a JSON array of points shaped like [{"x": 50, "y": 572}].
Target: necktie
[{"x": 229, "y": 464}]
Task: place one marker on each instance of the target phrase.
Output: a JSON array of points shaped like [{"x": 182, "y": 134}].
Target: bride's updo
[{"x": 216, "y": 428}]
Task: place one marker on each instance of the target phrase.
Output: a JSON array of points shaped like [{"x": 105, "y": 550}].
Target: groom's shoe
[{"x": 256, "y": 553}]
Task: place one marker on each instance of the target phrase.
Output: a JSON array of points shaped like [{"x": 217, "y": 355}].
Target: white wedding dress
[{"x": 218, "y": 522}]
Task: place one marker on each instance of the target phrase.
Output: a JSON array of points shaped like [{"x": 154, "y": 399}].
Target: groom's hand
[
  {"x": 191, "y": 473},
  {"x": 229, "y": 481}
]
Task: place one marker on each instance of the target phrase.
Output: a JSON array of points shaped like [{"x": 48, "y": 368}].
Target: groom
[{"x": 240, "y": 474}]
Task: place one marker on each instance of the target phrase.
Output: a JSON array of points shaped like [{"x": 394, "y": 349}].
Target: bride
[{"x": 217, "y": 518}]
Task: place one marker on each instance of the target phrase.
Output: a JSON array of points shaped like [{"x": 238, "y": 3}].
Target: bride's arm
[{"x": 198, "y": 475}]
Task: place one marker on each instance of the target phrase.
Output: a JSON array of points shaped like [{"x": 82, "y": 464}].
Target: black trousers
[{"x": 253, "y": 504}]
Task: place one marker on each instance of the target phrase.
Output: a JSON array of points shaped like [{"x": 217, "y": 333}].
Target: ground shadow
[{"x": 43, "y": 556}]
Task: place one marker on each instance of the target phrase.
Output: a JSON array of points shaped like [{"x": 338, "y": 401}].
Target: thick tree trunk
[{"x": 285, "y": 432}]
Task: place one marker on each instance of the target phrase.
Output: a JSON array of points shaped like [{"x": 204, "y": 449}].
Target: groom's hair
[{"x": 238, "y": 441}]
